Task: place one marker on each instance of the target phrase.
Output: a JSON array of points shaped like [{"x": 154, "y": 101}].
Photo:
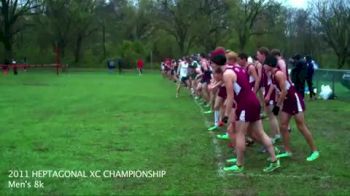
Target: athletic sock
[{"x": 216, "y": 117}]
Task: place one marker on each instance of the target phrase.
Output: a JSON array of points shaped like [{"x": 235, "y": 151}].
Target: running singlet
[
  {"x": 183, "y": 69},
  {"x": 250, "y": 77},
  {"x": 248, "y": 106},
  {"x": 293, "y": 102}
]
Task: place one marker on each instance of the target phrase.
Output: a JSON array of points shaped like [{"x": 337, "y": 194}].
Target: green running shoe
[
  {"x": 284, "y": 155},
  {"x": 273, "y": 166},
  {"x": 232, "y": 160},
  {"x": 234, "y": 168},
  {"x": 213, "y": 128},
  {"x": 223, "y": 136},
  {"x": 313, "y": 156},
  {"x": 277, "y": 150},
  {"x": 208, "y": 112},
  {"x": 276, "y": 139}
]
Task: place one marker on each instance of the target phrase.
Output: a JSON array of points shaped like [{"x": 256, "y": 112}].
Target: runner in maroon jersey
[
  {"x": 219, "y": 97},
  {"x": 281, "y": 63},
  {"x": 292, "y": 106},
  {"x": 251, "y": 70},
  {"x": 269, "y": 95},
  {"x": 247, "y": 112}
]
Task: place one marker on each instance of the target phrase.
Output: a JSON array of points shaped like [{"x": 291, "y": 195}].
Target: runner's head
[
  {"x": 203, "y": 56},
  {"x": 261, "y": 54},
  {"x": 270, "y": 62},
  {"x": 218, "y": 74},
  {"x": 218, "y": 56},
  {"x": 232, "y": 58},
  {"x": 276, "y": 53},
  {"x": 242, "y": 59}
]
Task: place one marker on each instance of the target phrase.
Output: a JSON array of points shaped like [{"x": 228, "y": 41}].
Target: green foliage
[
  {"x": 131, "y": 51},
  {"x": 88, "y": 32}
]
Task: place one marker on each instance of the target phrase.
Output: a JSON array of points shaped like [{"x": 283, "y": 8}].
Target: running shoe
[
  {"x": 234, "y": 168},
  {"x": 232, "y": 160},
  {"x": 284, "y": 155},
  {"x": 213, "y": 128},
  {"x": 208, "y": 112},
  {"x": 314, "y": 155},
  {"x": 272, "y": 166},
  {"x": 223, "y": 136},
  {"x": 277, "y": 150},
  {"x": 276, "y": 139}
]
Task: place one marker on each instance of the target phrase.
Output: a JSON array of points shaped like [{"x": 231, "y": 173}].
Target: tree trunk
[
  {"x": 242, "y": 42},
  {"x": 78, "y": 48},
  {"x": 7, "y": 41},
  {"x": 104, "y": 40},
  {"x": 62, "y": 47},
  {"x": 341, "y": 60},
  {"x": 8, "y": 48},
  {"x": 181, "y": 44}
]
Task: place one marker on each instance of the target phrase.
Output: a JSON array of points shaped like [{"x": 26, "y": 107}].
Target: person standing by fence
[
  {"x": 298, "y": 74},
  {"x": 309, "y": 76}
]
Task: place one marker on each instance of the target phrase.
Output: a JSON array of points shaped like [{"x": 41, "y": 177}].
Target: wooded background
[{"x": 88, "y": 32}]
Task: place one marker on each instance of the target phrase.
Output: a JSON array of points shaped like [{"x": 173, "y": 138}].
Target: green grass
[{"x": 100, "y": 121}]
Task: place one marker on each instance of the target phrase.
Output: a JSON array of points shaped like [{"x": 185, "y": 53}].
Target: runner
[
  {"x": 251, "y": 70},
  {"x": 205, "y": 81},
  {"x": 182, "y": 71},
  {"x": 247, "y": 112},
  {"x": 140, "y": 65},
  {"x": 220, "y": 96},
  {"x": 292, "y": 105},
  {"x": 269, "y": 95}
]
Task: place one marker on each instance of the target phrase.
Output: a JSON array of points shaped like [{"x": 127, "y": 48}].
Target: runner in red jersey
[{"x": 140, "y": 65}]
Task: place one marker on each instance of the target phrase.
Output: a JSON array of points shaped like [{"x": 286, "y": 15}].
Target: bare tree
[
  {"x": 244, "y": 16},
  {"x": 177, "y": 19},
  {"x": 213, "y": 16},
  {"x": 11, "y": 12},
  {"x": 333, "y": 20}
]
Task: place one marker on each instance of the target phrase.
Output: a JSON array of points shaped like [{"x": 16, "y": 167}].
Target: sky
[{"x": 295, "y": 3}]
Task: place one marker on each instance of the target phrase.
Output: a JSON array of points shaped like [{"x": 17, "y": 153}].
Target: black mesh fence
[{"x": 338, "y": 80}]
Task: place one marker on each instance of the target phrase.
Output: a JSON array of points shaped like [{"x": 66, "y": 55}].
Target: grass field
[{"x": 101, "y": 121}]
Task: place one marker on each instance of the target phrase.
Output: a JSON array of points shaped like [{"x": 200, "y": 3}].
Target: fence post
[{"x": 333, "y": 85}]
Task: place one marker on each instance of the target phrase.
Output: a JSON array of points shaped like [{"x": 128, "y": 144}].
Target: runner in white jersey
[{"x": 182, "y": 70}]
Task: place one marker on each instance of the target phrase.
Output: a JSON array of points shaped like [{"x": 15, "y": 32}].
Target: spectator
[
  {"x": 309, "y": 75},
  {"x": 110, "y": 65},
  {"x": 299, "y": 73},
  {"x": 120, "y": 65},
  {"x": 14, "y": 64}
]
